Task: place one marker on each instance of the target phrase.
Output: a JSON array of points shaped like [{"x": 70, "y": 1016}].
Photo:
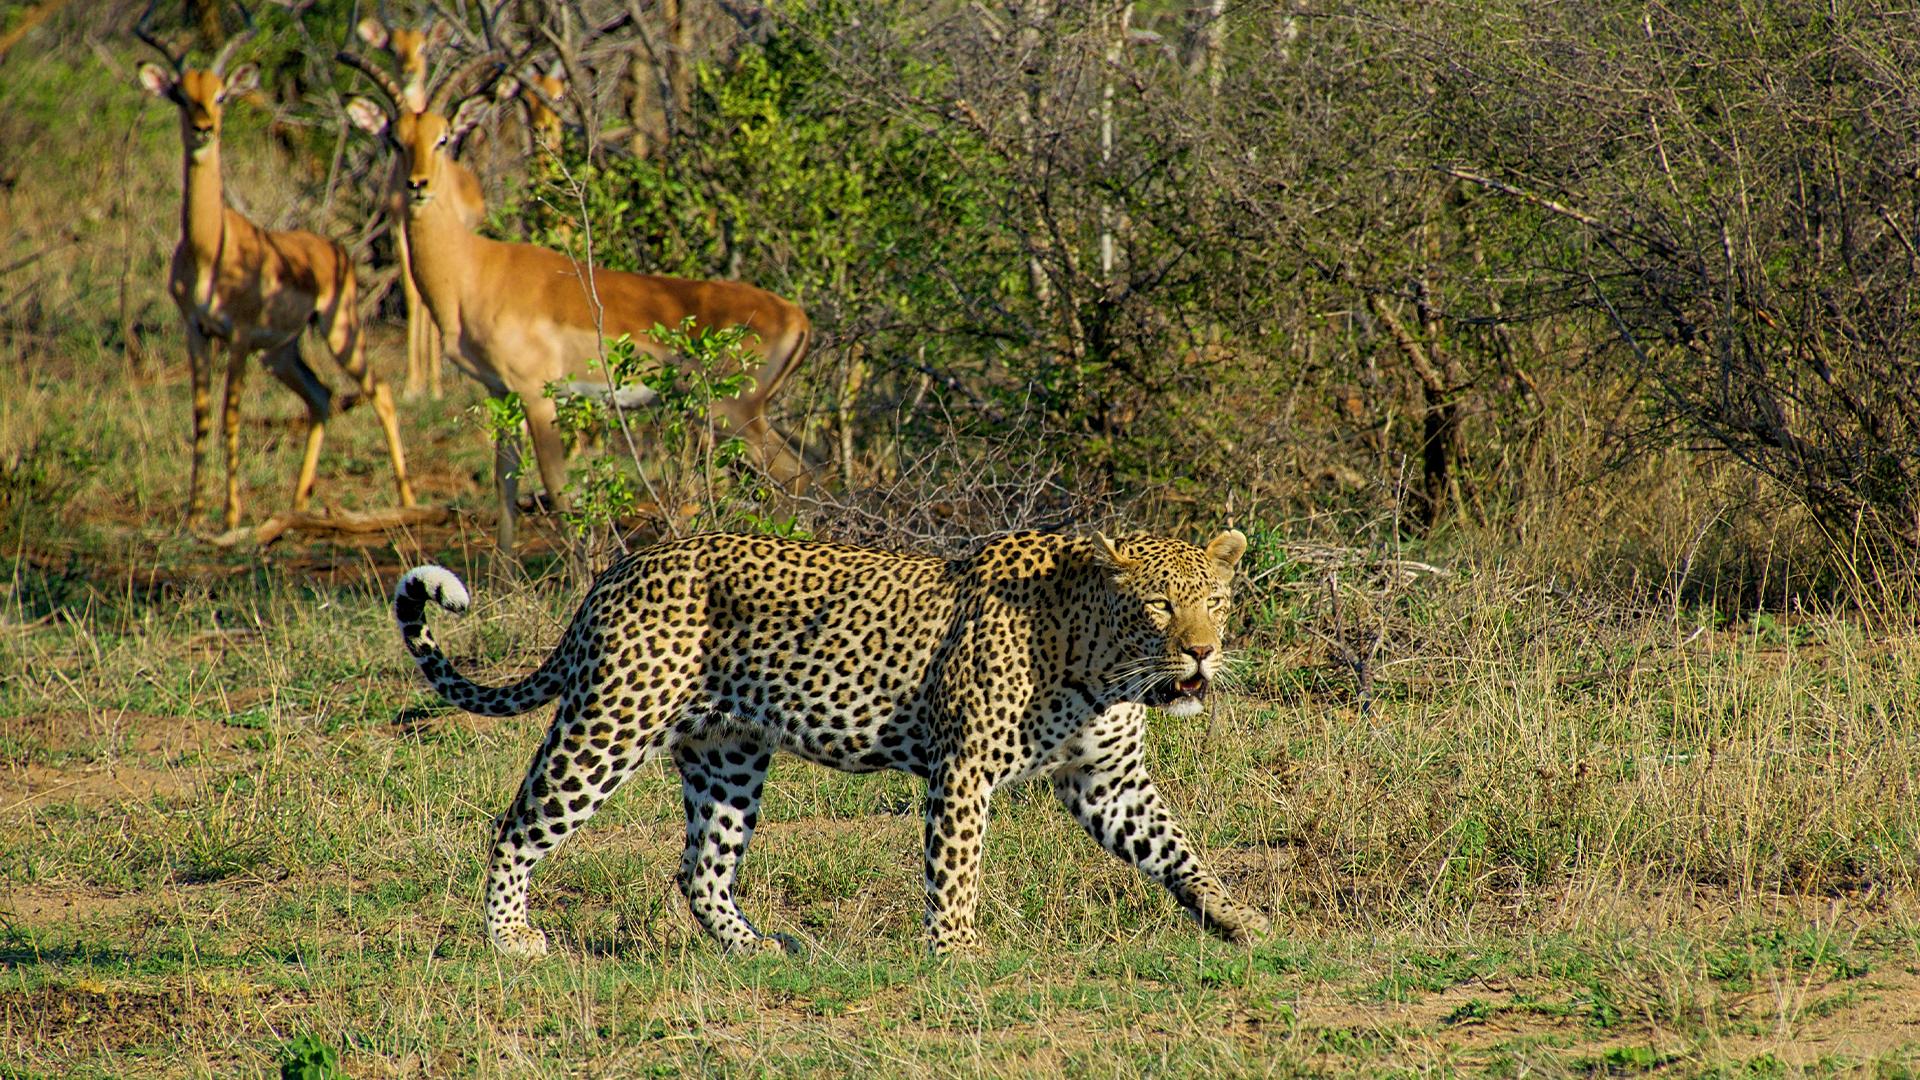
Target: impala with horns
[
  {"x": 254, "y": 289},
  {"x": 410, "y": 49},
  {"x": 542, "y": 93},
  {"x": 518, "y": 317}
]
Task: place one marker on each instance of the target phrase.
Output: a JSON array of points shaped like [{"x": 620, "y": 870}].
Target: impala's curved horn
[
  {"x": 141, "y": 30},
  {"x": 390, "y": 90},
  {"x": 248, "y": 29},
  {"x": 455, "y": 85}
]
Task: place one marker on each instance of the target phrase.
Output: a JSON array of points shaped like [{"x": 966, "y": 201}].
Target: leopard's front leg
[
  {"x": 1105, "y": 786},
  {"x": 957, "y": 797}
]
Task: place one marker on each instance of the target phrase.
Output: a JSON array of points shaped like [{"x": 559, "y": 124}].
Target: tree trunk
[
  {"x": 646, "y": 112},
  {"x": 1440, "y": 423}
]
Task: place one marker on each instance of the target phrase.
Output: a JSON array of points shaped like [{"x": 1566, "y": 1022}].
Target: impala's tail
[{"x": 439, "y": 584}]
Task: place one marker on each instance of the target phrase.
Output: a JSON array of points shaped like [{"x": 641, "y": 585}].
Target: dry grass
[
  {"x": 1591, "y": 815},
  {"x": 1572, "y": 828},
  {"x": 1564, "y": 845}
]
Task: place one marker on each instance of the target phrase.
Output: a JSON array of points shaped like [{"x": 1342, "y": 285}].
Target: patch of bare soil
[
  {"x": 1798, "y": 1024},
  {"x": 1874, "y": 1016},
  {"x": 48, "y": 905},
  {"x": 87, "y": 1014},
  {"x": 104, "y": 758}
]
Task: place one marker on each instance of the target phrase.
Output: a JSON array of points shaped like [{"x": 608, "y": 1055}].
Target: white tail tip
[{"x": 439, "y": 583}]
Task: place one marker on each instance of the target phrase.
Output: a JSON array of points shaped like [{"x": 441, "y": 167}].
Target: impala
[
  {"x": 410, "y": 49},
  {"x": 254, "y": 289},
  {"x": 542, "y": 94},
  {"x": 517, "y": 317}
]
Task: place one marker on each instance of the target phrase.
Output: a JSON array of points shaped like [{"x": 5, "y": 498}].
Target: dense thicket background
[{"x": 1390, "y": 270}]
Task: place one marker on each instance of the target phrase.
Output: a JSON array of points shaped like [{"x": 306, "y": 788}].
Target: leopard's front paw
[
  {"x": 954, "y": 941},
  {"x": 1241, "y": 926},
  {"x": 764, "y": 943},
  {"x": 522, "y": 942}
]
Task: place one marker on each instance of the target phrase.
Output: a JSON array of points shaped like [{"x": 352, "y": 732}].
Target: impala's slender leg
[
  {"x": 506, "y": 475},
  {"x": 549, "y": 451},
  {"x": 348, "y": 343},
  {"x": 429, "y": 354},
  {"x": 287, "y": 366},
  {"x": 423, "y": 355},
  {"x": 230, "y": 422},
  {"x": 200, "y": 365},
  {"x": 768, "y": 444}
]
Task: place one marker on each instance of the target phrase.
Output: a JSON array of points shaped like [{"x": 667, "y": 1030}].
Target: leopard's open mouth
[{"x": 1194, "y": 686}]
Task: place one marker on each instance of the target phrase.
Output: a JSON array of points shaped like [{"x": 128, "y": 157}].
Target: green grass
[
  {"x": 1565, "y": 835},
  {"x": 273, "y": 834},
  {"x": 233, "y": 820}
]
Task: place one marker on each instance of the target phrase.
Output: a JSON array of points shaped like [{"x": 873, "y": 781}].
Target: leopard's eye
[{"x": 1160, "y": 606}]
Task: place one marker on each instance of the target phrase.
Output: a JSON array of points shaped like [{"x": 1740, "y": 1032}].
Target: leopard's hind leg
[
  {"x": 720, "y": 781},
  {"x": 593, "y": 746}
]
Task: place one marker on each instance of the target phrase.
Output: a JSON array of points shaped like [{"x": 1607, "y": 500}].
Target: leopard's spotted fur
[{"x": 1037, "y": 655}]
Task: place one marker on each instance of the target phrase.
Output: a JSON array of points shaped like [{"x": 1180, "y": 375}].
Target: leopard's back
[{"x": 827, "y": 647}]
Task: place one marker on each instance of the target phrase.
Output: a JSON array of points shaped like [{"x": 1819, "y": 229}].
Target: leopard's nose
[{"x": 1200, "y": 652}]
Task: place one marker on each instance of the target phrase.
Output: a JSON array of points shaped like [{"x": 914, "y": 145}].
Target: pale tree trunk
[
  {"x": 1027, "y": 20},
  {"x": 649, "y": 79},
  {"x": 1116, "y": 35},
  {"x": 646, "y": 110},
  {"x": 680, "y": 28},
  {"x": 1206, "y": 43}
]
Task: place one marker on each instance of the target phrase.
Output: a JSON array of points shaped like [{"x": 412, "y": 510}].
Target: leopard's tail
[{"x": 439, "y": 584}]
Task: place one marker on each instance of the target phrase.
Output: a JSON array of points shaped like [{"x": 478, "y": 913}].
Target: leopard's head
[{"x": 1170, "y": 602}]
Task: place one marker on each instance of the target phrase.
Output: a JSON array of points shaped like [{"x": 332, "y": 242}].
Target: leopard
[{"x": 1038, "y": 655}]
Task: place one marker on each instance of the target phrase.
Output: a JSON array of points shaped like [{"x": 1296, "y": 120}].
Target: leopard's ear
[
  {"x": 1225, "y": 550},
  {"x": 1107, "y": 554}
]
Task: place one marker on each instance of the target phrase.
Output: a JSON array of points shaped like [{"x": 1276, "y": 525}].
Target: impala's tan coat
[
  {"x": 410, "y": 49},
  {"x": 255, "y": 289},
  {"x": 517, "y": 317}
]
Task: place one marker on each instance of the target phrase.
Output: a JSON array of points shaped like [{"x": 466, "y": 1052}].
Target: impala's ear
[
  {"x": 372, "y": 31},
  {"x": 1226, "y": 550},
  {"x": 1107, "y": 554},
  {"x": 244, "y": 79},
  {"x": 471, "y": 112},
  {"x": 157, "y": 81},
  {"x": 367, "y": 116}
]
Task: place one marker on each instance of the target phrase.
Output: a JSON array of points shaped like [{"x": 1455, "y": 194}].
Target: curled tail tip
[{"x": 433, "y": 582}]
